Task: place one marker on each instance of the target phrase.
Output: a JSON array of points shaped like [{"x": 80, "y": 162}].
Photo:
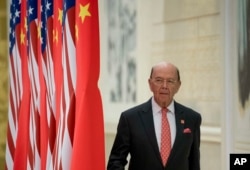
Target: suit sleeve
[
  {"x": 120, "y": 149},
  {"x": 194, "y": 159}
]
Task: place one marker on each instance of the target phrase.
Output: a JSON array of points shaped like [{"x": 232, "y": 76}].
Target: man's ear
[
  {"x": 150, "y": 84},
  {"x": 179, "y": 85}
]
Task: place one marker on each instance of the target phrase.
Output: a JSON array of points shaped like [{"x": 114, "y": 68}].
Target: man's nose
[{"x": 165, "y": 83}]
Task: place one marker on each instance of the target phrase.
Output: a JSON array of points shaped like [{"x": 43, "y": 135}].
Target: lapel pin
[{"x": 182, "y": 121}]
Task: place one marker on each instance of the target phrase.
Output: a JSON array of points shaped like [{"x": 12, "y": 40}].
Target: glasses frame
[{"x": 160, "y": 81}]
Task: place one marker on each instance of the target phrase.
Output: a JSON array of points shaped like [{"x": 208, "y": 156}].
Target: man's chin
[{"x": 165, "y": 103}]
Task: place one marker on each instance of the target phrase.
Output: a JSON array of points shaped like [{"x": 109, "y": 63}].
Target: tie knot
[{"x": 164, "y": 110}]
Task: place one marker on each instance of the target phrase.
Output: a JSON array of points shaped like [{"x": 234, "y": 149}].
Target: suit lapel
[
  {"x": 146, "y": 116},
  {"x": 179, "y": 119}
]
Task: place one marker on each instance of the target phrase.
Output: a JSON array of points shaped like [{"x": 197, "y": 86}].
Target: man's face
[{"x": 164, "y": 83}]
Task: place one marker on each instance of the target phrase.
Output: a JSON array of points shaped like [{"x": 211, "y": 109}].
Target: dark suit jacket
[{"x": 136, "y": 136}]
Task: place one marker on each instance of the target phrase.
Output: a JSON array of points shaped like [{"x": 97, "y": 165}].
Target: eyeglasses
[{"x": 160, "y": 81}]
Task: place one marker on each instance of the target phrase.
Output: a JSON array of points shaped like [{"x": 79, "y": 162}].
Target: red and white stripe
[
  {"x": 15, "y": 98},
  {"x": 66, "y": 120},
  {"x": 34, "y": 122}
]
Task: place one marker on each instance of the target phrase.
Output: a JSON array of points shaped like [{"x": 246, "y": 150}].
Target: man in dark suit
[{"x": 140, "y": 133}]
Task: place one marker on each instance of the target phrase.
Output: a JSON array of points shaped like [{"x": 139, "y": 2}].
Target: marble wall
[{"x": 189, "y": 34}]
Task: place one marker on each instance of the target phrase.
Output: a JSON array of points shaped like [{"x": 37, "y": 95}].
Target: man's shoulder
[
  {"x": 186, "y": 109},
  {"x": 143, "y": 107}
]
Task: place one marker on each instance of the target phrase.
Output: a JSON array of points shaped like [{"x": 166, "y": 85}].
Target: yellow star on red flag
[
  {"x": 22, "y": 37},
  {"x": 84, "y": 11},
  {"x": 60, "y": 15}
]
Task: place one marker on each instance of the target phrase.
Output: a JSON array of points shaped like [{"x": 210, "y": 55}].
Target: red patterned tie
[{"x": 165, "y": 137}]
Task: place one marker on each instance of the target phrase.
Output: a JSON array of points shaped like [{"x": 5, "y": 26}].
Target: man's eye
[{"x": 159, "y": 80}]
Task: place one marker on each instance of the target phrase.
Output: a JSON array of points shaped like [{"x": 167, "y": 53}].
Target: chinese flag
[{"x": 88, "y": 146}]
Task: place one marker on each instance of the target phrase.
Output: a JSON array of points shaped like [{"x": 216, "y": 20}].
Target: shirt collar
[{"x": 157, "y": 109}]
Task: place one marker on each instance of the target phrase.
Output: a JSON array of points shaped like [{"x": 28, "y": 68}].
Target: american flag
[
  {"x": 47, "y": 82},
  {"x": 55, "y": 108},
  {"x": 65, "y": 131},
  {"x": 15, "y": 80},
  {"x": 34, "y": 60}
]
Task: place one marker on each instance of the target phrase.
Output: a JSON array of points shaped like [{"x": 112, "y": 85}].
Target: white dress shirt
[{"x": 157, "y": 121}]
